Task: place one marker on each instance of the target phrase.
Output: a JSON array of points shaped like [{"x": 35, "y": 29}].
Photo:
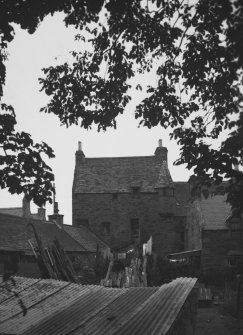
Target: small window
[
  {"x": 114, "y": 196},
  {"x": 182, "y": 235},
  {"x": 83, "y": 222},
  {"x": 234, "y": 260},
  {"x": 134, "y": 229},
  {"x": 106, "y": 228},
  {"x": 166, "y": 215},
  {"x": 168, "y": 192},
  {"x": 135, "y": 189},
  {"x": 235, "y": 234},
  {"x": 235, "y": 229}
]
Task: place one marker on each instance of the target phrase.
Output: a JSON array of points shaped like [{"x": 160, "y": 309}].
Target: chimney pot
[
  {"x": 79, "y": 146},
  {"x": 160, "y": 143}
]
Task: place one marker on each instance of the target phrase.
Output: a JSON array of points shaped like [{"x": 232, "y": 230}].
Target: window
[
  {"x": 235, "y": 228},
  {"x": 114, "y": 196},
  {"x": 83, "y": 222},
  {"x": 235, "y": 259},
  {"x": 135, "y": 229},
  {"x": 106, "y": 228},
  {"x": 168, "y": 191},
  {"x": 166, "y": 215},
  {"x": 135, "y": 189},
  {"x": 182, "y": 236}
]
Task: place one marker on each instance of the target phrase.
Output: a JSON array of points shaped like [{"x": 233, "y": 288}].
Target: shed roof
[
  {"x": 120, "y": 174},
  {"x": 215, "y": 211},
  {"x": 55, "y": 307},
  {"x": 15, "y": 233},
  {"x": 86, "y": 238}
]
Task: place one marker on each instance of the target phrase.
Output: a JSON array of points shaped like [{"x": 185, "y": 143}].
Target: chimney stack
[
  {"x": 26, "y": 207},
  {"x": 42, "y": 214},
  {"x": 55, "y": 217},
  {"x": 79, "y": 154},
  {"x": 161, "y": 152}
]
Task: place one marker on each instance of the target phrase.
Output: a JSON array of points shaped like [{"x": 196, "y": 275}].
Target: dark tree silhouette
[{"x": 197, "y": 51}]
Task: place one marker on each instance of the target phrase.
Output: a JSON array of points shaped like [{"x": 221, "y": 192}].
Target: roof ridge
[{"x": 120, "y": 157}]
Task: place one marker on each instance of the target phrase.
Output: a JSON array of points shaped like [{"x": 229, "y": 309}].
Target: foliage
[
  {"x": 22, "y": 167},
  {"x": 197, "y": 51}
]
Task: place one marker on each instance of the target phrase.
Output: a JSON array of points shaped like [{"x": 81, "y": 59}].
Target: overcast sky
[{"x": 49, "y": 45}]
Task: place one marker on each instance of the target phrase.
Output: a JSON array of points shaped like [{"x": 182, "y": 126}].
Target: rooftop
[
  {"x": 16, "y": 231},
  {"x": 215, "y": 211},
  {"x": 121, "y": 174},
  {"x": 86, "y": 238}
]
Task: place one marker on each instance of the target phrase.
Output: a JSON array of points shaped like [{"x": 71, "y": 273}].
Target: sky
[{"x": 50, "y": 45}]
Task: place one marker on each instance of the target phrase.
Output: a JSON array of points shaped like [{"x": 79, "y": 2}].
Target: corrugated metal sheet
[
  {"x": 116, "y": 313},
  {"x": 61, "y": 308},
  {"x": 17, "y": 285},
  {"x": 156, "y": 314}
]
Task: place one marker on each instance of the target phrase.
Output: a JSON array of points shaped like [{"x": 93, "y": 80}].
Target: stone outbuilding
[{"x": 213, "y": 229}]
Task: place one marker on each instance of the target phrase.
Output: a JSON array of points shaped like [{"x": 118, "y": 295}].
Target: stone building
[
  {"x": 129, "y": 199},
  {"x": 212, "y": 229}
]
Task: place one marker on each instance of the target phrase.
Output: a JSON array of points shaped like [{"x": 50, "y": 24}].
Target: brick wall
[{"x": 154, "y": 211}]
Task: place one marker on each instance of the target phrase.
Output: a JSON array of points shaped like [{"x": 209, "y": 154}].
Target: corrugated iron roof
[{"x": 61, "y": 308}]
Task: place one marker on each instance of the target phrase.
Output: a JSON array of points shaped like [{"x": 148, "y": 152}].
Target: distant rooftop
[
  {"x": 215, "y": 211},
  {"x": 15, "y": 232},
  {"x": 86, "y": 238}
]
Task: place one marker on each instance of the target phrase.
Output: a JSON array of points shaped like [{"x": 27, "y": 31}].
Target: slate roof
[
  {"x": 18, "y": 211},
  {"x": 15, "y": 233},
  {"x": 120, "y": 174},
  {"x": 85, "y": 237},
  {"x": 55, "y": 307},
  {"x": 215, "y": 211}
]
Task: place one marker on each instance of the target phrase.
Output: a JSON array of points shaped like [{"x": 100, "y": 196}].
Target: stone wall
[
  {"x": 194, "y": 223},
  {"x": 154, "y": 211},
  {"x": 216, "y": 246}
]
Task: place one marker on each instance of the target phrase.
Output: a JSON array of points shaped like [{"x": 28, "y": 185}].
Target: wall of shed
[
  {"x": 154, "y": 211},
  {"x": 185, "y": 322}
]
